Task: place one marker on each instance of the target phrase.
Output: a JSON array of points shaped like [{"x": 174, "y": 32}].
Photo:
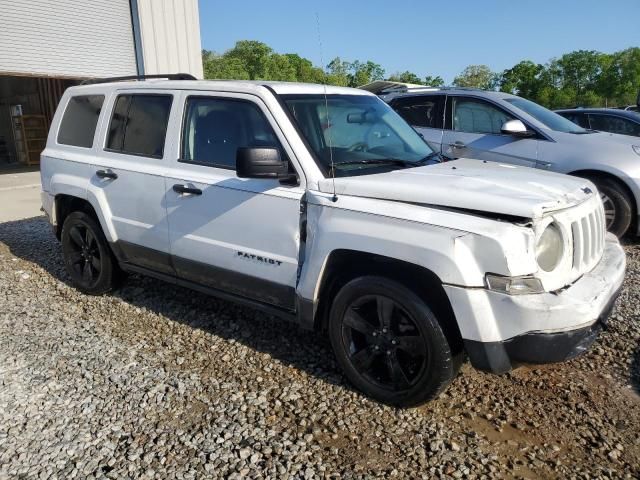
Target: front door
[
  {"x": 474, "y": 131},
  {"x": 129, "y": 175},
  {"x": 240, "y": 236}
]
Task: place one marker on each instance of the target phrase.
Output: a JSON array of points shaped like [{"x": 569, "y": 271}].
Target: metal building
[{"x": 48, "y": 45}]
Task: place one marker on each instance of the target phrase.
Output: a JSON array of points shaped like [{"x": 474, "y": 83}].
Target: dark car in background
[{"x": 622, "y": 122}]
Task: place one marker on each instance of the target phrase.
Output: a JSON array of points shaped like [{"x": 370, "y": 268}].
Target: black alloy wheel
[
  {"x": 389, "y": 342},
  {"x": 84, "y": 255},
  {"x": 88, "y": 259},
  {"x": 384, "y": 344}
]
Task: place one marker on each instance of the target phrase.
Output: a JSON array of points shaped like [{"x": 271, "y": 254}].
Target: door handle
[
  {"x": 106, "y": 174},
  {"x": 457, "y": 144},
  {"x": 544, "y": 165},
  {"x": 185, "y": 189}
]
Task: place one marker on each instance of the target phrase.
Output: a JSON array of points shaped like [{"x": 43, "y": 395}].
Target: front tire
[
  {"x": 87, "y": 256},
  {"x": 618, "y": 206},
  {"x": 389, "y": 342}
]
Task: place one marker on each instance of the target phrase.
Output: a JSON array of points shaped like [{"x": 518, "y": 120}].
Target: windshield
[
  {"x": 550, "y": 119},
  {"x": 357, "y": 133}
]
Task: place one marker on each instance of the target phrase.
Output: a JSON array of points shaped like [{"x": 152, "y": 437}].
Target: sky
[{"x": 425, "y": 37}]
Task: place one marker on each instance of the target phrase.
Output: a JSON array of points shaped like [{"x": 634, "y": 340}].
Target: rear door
[
  {"x": 425, "y": 113},
  {"x": 473, "y": 130},
  {"x": 128, "y": 177},
  {"x": 236, "y": 235}
]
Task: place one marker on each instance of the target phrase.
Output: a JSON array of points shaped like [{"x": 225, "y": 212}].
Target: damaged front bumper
[{"x": 502, "y": 331}]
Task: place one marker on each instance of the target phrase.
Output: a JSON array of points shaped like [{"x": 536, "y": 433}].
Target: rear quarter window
[{"x": 78, "y": 125}]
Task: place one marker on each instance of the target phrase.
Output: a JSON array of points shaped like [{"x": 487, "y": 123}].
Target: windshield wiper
[
  {"x": 435, "y": 156},
  {"x": 393, "y": 161},
  {"x": 377, "y": 161},
  {"x": 586, "y": 131}
]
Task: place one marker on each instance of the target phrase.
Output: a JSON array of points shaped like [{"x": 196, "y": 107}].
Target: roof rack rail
[
  {"x": 427, "y": 88},
  {"x": 168, "y": 76},
  {"x": 386, "y": 87}
]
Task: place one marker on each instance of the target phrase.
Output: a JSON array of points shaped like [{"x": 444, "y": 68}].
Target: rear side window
[
  {"x": 139, "y": 124},
  {"x": 214, "y": 129},
  {"x": 421, "y": 111},
  {"x": 78, "y": 125}
]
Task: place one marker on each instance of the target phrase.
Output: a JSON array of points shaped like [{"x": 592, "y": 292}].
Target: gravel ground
[{"x": 156, "y": 381}]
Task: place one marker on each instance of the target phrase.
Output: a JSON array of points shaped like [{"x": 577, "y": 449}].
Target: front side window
[
  {"x": 421, "y": 111},
  {"x": 78, "y": 125},
  {"x": 214, "y": 129},
  {"x": 613, "y": 124},
  {"x": 550, "y": 119},
  {"x": 478, "y": 116},
  {"x": 139, "y": 124},
  {"x": 354, "y": 133}
]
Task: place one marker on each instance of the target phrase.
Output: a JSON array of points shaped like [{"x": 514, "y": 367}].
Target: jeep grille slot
[
  {"x": 588, "y": 233},
  {"x": 577, "y": 245}
]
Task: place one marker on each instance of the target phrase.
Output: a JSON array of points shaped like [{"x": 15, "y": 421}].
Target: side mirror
[
  {"x": 516, "y": 128},
  {"x": 260, "y": 162}
]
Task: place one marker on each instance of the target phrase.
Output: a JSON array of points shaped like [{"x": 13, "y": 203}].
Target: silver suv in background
[{"x": 497, "y": 126}]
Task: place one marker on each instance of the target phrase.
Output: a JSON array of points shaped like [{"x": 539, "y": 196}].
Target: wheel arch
[
  {"x": 64, "y": 204},
  {"x": 594, "y": 174},
  {"x": 344, "y": 265}
]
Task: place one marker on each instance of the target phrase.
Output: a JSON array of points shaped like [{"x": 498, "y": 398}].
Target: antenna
[{"x": 326, "y": 109}]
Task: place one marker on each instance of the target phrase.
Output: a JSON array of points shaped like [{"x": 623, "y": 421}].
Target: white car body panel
[
  {"x": 459, "y": 220},
  {"x": 478, "y": 186}
]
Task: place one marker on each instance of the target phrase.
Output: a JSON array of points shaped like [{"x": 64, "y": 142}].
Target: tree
[
  {"x": 405, "y": 77},
  {"x": 524, "y": 79},
  {"x": 582, "y": 77},
  {"x": 305, "y": 71},
  {"x": 410, "y": 77},
  {"x": 363, "y": 73},
  {"x": 476, "y": 76},
  {"x": 278, "y": 67},
  {"x": 220, "y": 67},
  {"x": 619, "y": 82},
  {"x": 580, "y": 69},
  {"x": 338, "y": 72},
  {"x": 432, "y": 81},
  {"x": 253, "y": 55}
]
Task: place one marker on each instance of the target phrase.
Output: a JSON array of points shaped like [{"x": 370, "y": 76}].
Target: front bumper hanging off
[
  {"x": 503, "y": 331},
  {"x": 536, "y": 347}
]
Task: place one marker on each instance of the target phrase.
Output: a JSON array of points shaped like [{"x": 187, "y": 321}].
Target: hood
[{"x": 470, "y": 185}]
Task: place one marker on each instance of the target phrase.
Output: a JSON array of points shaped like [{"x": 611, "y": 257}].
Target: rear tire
[
  {"x": 389, "y": 342},
  {"x": 618, "y": 206},
  {"x": 87, "y": 256}
]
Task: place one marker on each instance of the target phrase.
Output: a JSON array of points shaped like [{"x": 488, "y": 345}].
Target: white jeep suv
[{"x": 321, "y": 205}]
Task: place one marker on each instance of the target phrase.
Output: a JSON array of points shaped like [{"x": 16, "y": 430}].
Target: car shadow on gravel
[
  {"x": 635, "y": 371},
  {"x": 32, "y": 240}
]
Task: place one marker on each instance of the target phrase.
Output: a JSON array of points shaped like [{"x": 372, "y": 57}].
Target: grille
[{"x": 588, "y": 234}]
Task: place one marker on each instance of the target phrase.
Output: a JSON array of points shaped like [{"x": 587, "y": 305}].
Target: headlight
[
  {"x": 549, "y": 248},
  {"x": 513, "y": 285},
  {"x": 636, "y": 148}
]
